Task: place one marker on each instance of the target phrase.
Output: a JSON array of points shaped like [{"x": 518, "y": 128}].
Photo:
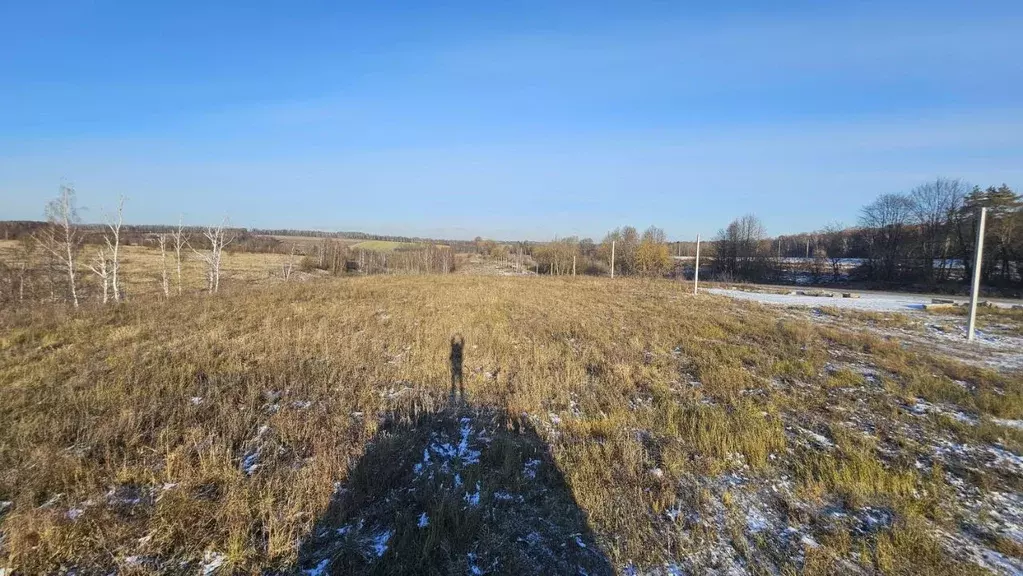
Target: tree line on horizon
[{"x": 925, "y": 237}]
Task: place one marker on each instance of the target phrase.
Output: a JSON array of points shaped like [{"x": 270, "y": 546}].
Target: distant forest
[{"x": 926, "y": 237}]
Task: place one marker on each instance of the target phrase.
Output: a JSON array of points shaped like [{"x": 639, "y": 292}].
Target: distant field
[
  {"x": 620, "y": 426},
  {"x": 305, "y": 242},
  {"x": 388, "y": 246},
  {"x": 383, "y": 245}
]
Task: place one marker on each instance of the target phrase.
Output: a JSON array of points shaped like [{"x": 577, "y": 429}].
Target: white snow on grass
[
  {"x": 922, "y": 408},
  {"x": 318, "y": 570},
  {"x": 473, "y": 499},
  {"x": 1017, "y": 424},
  {"x": 866, "y": 302},
  {"x": 424, "y": 520},
  {"x": 212, "y": 561},
  {"x": 444, "y": 457},
  {"x": 819, "y": 439},
  {"x": 984, "y": 557},
  {"x": 530, "y": 469},
  {"x": 378, "y": 542},
  {"x": 756, "y": 521}
]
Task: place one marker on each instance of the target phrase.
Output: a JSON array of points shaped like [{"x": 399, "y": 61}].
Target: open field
[
  {"x": 381, "y": 245},
  {"x": 606, "y": 426},
  {"x": 142, "y": 268},
  {"x": 384, "y": 245}
]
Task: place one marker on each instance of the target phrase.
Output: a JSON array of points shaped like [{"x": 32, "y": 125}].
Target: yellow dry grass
[
  {"x": 126, "y": 429},
  {"x": 142, "y": 268}
]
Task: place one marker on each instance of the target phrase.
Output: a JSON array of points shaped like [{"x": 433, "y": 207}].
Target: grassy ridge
[{"x": 160, "y": 436}]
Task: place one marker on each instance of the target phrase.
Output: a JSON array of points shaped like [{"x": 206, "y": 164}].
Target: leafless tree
[
  {"x": 886, "y": 221},
  {"x": 113, "y": 241},
  {"x": 23, "y": 257},
  {"x": 933, "y": 204},
  {"x": 739, "y": 248},
  {"x": 289, "y": 264},
  {"x": 180, "y": 241},
  {"x": 165, "y": 281},
  {"x": 217, "y": 241},
  {"x": 62, "y": 238},
  {"x": 101, "y": 267},
  {"x": 836, "y": 244}
]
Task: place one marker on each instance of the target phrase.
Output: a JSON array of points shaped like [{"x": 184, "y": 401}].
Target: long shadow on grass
[{"x": 459, "y": 491}]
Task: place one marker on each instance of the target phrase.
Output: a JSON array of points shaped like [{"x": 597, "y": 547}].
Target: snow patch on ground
[
  {"x": 866, "y": 302},
  {"x": 530, "y": 469},
  {"x": 212, "y": 561},
  {"x": 318, "y": 570},
  {"x": 922, "y": 408},
  {"x": 444, "y": 457},
  {"x": 378, "y": 542},
  {"x": 980, "y": 555}
]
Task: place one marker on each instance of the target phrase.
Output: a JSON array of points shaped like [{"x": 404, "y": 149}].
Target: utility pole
[
  {"x": 612, "y": 258},
  {"x": 573, "y": 265},
  {"x": 696, "y": 270},
  {"x": 978, "y": 261}
]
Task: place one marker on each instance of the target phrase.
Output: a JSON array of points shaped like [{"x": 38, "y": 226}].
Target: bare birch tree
[
  {"x": 179, "y": 243},
  {"x": 101, "y": 267},
  {"x": 165, "y": 281},
  {"x": 217, "y": 240},
  {"x": 62, "y": 238},
  {"x": 289, "y": 265},
  {"x": 23, "y": 256},
  {"x": 113, "y": 241}
]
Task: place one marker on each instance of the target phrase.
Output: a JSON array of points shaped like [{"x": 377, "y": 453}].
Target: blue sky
[{"x": 503, "y": 119}]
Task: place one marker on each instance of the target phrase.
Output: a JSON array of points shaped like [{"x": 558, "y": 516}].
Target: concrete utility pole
[
  {"x": 573, "y": 265},
  {"x": 612, "y": 258},
  {"x": 696, "y": 270},
  {"x": 978, "y": 261}
]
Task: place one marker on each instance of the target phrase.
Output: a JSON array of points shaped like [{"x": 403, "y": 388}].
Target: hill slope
[{"x": 605, "y": 425}]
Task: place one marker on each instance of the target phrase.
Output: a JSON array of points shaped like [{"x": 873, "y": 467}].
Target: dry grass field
[
  {"x": 142, "y": 268},
  {"x": 586, "y": 426}
]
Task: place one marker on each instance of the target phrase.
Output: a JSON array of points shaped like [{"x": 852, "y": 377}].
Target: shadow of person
[
  {"x": 456, "y": 358},
  {"x": 460, "y": 491}
]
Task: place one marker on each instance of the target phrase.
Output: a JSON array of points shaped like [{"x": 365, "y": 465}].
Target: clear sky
[{"x": 503, "y": 119}]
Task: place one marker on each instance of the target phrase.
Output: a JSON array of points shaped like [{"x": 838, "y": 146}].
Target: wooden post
[
  {"x": 696, "y": 270},
  {"x": 612, "y": 258},
  {"x": 978, "y": 261},
  {"x": 573, "y": 264}
]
